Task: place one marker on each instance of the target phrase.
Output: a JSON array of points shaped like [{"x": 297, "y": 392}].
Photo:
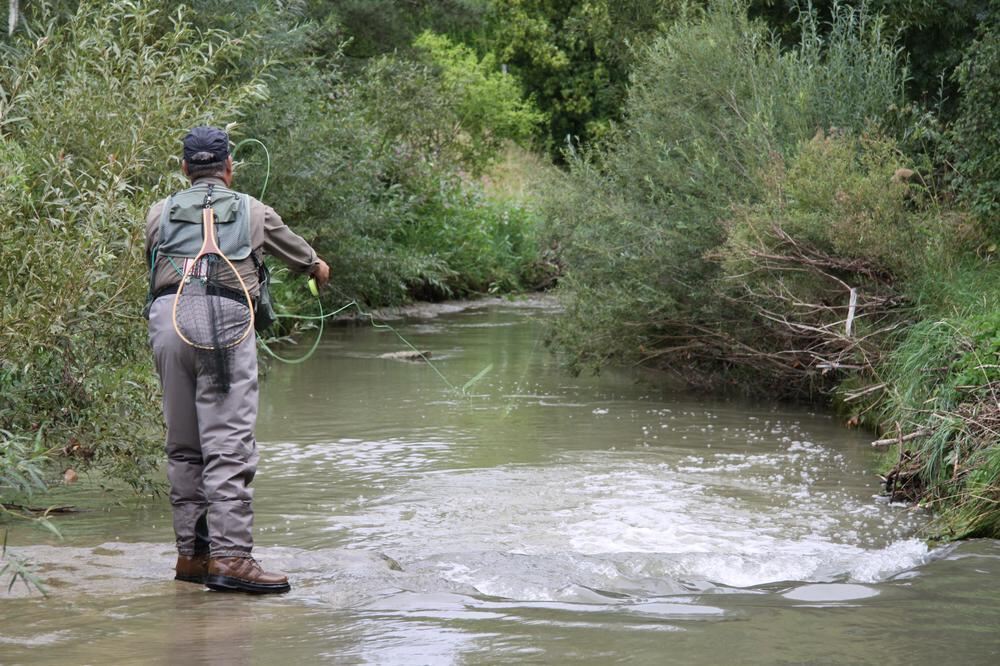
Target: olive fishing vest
[
  {"x": 181, "y": 234},
  {"x": 181, "y": 237}
]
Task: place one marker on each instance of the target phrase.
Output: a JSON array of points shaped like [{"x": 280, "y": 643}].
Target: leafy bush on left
[{"x": 92, "y": 112}]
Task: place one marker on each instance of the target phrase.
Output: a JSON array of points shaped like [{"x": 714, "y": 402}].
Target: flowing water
[{"x": 542, "y": 519}]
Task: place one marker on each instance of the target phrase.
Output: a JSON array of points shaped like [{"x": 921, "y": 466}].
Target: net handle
[{"x": 209, "y": 246}]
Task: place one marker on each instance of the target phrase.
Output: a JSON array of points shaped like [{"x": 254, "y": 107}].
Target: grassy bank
[
  {"x": 941, "y": 405},
  {"x": 782, "y": 220}
]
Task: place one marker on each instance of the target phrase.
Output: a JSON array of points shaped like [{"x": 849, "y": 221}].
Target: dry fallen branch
[
  {"x": 851, "y": 397},
  {"x": 889, "y": 441}
]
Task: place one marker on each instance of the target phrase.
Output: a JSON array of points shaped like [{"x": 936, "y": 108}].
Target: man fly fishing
[{"x": 204, "y": 249}]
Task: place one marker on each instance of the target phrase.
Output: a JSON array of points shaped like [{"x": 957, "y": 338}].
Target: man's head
[{"x": 206, "y": 154}]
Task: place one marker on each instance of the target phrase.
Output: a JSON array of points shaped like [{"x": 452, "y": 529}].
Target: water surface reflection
[{"x": 544, "y": 519}]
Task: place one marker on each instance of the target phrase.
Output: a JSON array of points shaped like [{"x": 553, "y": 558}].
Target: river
[{"x": 542, "y": 518}]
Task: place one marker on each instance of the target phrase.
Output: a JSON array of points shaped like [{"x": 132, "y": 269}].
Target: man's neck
[{"x": 210, "y": 180}]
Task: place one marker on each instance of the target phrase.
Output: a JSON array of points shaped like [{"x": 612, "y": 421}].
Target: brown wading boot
[
  {"x": 192, "y": 568},
  {"x": 243, "y": 574}
]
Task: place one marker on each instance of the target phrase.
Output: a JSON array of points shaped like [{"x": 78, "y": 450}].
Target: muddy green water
[{"x": 546, "y": 519}]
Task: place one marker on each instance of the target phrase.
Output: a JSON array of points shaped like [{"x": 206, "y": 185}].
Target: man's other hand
[{"x": 322, "y": 273}]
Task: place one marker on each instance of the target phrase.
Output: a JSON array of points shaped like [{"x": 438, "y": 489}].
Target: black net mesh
[{"x": 213, "y": 318}]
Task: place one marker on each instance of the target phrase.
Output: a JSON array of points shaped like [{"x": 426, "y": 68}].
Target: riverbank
[
  {"x": 940, "y": 419},
  {"x": 765, "y": 221}
]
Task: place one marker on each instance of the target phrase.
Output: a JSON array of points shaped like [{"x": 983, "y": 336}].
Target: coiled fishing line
[{"x": 322, "y": 317}]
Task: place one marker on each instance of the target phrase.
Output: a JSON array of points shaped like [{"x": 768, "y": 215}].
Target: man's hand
[{"x": 322, "y": 273}]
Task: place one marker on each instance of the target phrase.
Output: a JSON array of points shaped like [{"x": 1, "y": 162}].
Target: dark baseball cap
[{"x": 206, "y": 145}]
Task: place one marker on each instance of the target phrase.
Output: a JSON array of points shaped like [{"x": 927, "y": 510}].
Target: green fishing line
[
  {"x": 267, "y": 161},
  {"x": 321, "y": 317}
]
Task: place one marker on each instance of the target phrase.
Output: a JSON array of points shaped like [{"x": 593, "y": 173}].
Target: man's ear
[{"x": 184, "y": 167}]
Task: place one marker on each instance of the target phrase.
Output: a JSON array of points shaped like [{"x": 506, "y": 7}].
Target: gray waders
[{"x": 211, "y": 449}]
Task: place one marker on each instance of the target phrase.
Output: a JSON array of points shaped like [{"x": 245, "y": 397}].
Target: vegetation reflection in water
[{"x": 547, "y": 518}]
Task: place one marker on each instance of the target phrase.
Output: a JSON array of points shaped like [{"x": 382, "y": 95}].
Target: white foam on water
[
  {"x": 620, "y": 521},
  {"x": 41, "y": 639},
  {"x": 357, "y": 456}
]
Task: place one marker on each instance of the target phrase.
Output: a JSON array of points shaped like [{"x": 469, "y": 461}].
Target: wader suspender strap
[{"x": 263, "y": 275}]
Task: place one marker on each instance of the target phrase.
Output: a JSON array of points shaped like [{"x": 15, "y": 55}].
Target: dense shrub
[
  {"x": 371, "y": 172},
  {"x": 330, "y": 179},
  {"x": 841, "y": 196},
  {"x": 714, "y": 103},
  {"x": 91, "y": 113},
  {"x": 839, "y": 224},
  {"x": 977, "y": 129},
  {"x": 575, "y": 57}
]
